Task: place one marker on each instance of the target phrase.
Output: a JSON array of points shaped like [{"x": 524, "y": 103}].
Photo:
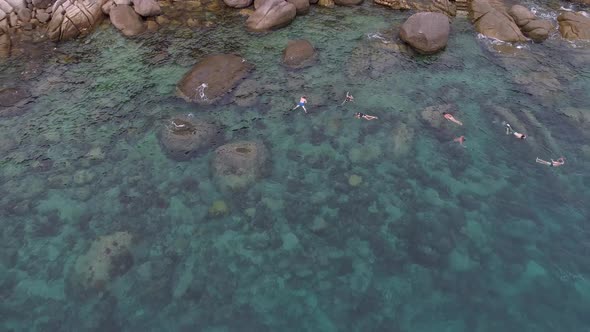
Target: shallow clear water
[{"x": 435, "y": 237}]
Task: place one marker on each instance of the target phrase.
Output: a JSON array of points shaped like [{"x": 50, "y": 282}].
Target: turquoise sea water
[{"x": 435, "y": 237}]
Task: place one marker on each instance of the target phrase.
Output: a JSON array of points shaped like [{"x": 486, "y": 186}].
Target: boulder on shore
[
  {"x": 271, "y": 14},
  {"x": 298, "y": 53},
  {"x": 238, "y": 3},
  {"x": 127, "y": 20},
  {"x": 147, "y": 8},
  {"x": 184, "y": 137},
  {"x": 574, "y": 26},
  {"x": 70, "y": 19},
  {"x": 534, "y": 28},
  {"x": 494, "y": 23},
  {"x": 238, "y": 165},
  {"x": 439, "y": 6},
  {"x": 213, "y": 77},
  {"x": 427, "y": 33}
]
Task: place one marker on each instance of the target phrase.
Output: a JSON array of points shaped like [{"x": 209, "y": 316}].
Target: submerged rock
[
  {"x": 574, "y": 26},
  {"x": 428, "y": 33},
  {"x": 494, "y": 23},
  {"x": 237, "y": 165},
  {"x": 184, "y": 137},
  {"x": 126, "y": 20},
  {"x": 271, "y": 14},
  {"x": 73, "y": 18},
  {"x": 536, "y": 29},
  {"x": 212, "y": 77},
  {"x": 11, "y": 96},
  {"x": 298, "y": 53},
  {"x": 107, "y": 258}
]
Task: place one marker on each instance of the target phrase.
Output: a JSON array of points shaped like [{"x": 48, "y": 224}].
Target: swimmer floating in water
[
  {"x": 451, "y": 118},
  {"x": 365, "y": 116},
  {"x": 302, "y": 102},
  {"x": 348, "y": 98},
  {"x": 460, "y": 140},
  {"x": 552, "y": 163},
  {"x": 178, "y": 126},
  {"x": 518, "y": 135}
]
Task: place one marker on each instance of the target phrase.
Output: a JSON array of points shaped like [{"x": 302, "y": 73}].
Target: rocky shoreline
[{"x": 60, "y": 20}]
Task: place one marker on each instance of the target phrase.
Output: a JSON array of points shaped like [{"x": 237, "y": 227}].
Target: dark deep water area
[{"x": 384, "y": 225}]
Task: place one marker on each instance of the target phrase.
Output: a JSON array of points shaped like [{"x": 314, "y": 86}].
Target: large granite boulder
[
  {"x": 298, "y": 53},
  {"x": 126, "y": 20},
  {"x": 238, "y": 3},
  {"x": 301, "y": 6},
  {"x": 213, "y": 77},
  {"x": 107, "y": 258},
  {"x": 348, "y": 2},
  {"x": 237, "y": 165},
  {"x": 428, "y": 33},
  {"x": 534, "y": 28},
  {"x": 441, "y": 6},
  {"x": 71, "y": 19},
  {"x": 147, "y": 8},
  {"x": 271, "y": 14},
  {"x": 574, "y": 26},
  {"x": 494, "y": 23},
  {"x": 184, "y": 137}
]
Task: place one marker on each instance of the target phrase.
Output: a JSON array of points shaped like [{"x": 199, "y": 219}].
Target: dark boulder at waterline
[
  {"x": 301, "y": 6},
  {"x": 70, "y": 19},
  {"x": 127, "y": 20},
  {"x": 574, "y": 26},
  {"x": 271, "y": 14},
  {"x": 494, "y": 23},
  {"x": 237, "y": 165},
  {"x": 184, "y": 137},
  {"x": 212, "y": 77},
  {"x": 534, "y": 28},
  {"x": 428, "y": 33},
  {"x": 298, "y": 53}
]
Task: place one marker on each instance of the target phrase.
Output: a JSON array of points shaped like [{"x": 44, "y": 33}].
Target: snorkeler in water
[
  {"x": 552, "y": 163},
  {"x": 518, "y": 135},
  {"x": 348, "y": 98},
  {"x": 451, "y": 118},
  {"x": 460, "y": 140},
  {"x": 360, "y": 115},
  {"x": 302, "y": 102}
]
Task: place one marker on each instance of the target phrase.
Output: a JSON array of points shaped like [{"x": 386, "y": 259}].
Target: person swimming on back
[
  {"x": 518, "y": 135},
  {"x": 302, "y": 102},
  {"x": 460, "y": 140},
  {"x": 552, "y": 163},
  {"x": 348, "y": 98},
  {"x": 360, "y": 115},
  {"x": 451, "y": 118}
]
